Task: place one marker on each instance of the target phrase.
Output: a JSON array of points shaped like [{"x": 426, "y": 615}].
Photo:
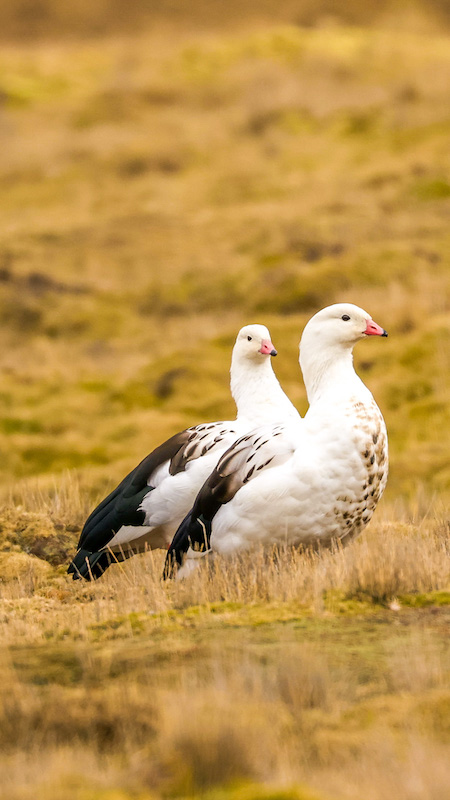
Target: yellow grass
[
  {"x": 171, "y": 172},
  {"x": 277, "y": 669}
]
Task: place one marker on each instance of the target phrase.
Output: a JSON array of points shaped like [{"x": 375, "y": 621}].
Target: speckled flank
[
  {"x": 373, "y": 456},
  {"x": 270, "y": 485}
]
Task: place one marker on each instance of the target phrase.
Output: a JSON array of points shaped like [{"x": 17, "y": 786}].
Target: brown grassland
[{"x": 170, "y": 172}]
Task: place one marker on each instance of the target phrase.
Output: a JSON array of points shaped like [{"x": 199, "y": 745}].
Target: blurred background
[{"x": 171, "y": 171}]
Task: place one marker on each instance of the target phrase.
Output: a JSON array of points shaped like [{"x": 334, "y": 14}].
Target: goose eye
[
  {"x": 249, "y": 338},
  {"x": 345, "y": 317}
]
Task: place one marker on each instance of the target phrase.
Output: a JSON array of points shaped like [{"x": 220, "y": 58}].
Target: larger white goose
[
  {"x": 146, "y": 508},
  {"x": 305, "y": 481}
]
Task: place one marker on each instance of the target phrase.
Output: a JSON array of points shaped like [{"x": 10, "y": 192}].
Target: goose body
[
  {"x": 303, "y": 481},
  {"x": 144, "y": 511}
]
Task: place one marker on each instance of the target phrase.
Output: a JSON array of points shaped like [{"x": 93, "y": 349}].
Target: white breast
[{"x": 328, "y": 489}]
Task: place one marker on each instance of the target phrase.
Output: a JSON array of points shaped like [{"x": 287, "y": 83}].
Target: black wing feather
[{"x": 121, "y": 506}]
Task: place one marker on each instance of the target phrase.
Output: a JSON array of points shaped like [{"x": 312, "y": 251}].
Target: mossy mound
[
  {"x": 20, "y": 566},
  {"x": 34, "y": 535}
]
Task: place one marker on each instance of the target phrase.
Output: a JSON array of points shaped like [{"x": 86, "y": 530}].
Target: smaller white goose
[
  {"x": 144, "y": 511},
  {"x": 300, "y": 482}
]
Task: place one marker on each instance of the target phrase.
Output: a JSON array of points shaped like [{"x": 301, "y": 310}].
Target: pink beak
[
  {"x": 372, "y": 329},
  {"x": 267, "y": 348}
]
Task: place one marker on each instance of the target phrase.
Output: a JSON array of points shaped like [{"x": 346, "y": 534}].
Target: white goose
[
  {"x": 144, "y": 511},
  {"x": 304, "y": 481}
]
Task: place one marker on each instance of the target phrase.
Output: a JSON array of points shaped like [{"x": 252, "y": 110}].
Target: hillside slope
[{"x": 162, "y": 189}]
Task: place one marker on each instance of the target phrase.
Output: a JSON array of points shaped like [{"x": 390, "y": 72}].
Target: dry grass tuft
[{"x": 391, "y": 559}]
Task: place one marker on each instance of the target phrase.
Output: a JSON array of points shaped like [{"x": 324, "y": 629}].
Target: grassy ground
[
  {"x": 268, "y": 674},
  {"x": 166, "y": 178}
]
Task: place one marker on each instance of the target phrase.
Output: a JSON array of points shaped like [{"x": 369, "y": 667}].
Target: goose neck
[
  {"x": 329, "y": 375},
  {"x": 256, "y": 391}
]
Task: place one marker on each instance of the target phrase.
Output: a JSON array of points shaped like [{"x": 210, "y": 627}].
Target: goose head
[
  {"x": 328, "y": 340},
  {"x": 341, "y": 325},
  {"x": 253, "y": 343}
]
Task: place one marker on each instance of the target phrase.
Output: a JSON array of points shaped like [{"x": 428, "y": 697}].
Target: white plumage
[
  {"x": 145, "y": 510},
  {"x": 304, "y": 481}
]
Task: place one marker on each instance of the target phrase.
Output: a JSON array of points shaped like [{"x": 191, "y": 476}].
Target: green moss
[
  {"x": 425, "y": 600},
  {"x": 22, "y": 90},
  {"x": 16, "y": 425},
  {"x": 434, "y": 189},
  {"x": 228, "y": 615},
  {"x": 95, "y": 385},
  {"x": 225, "y": 607},
  {"x": 337, "y": 602},
  {"x": 120, "y": 626}
]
